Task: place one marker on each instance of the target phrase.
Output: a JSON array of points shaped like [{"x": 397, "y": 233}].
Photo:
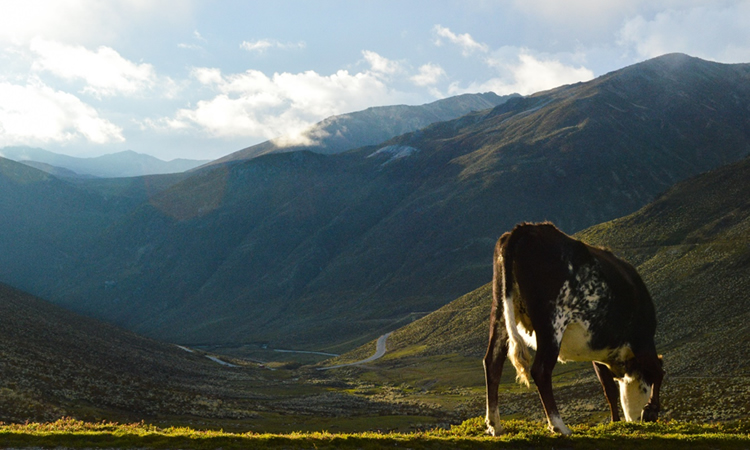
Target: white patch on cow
[
  {"x": 570, "y": 268},
  {"x": 529, "y": 337},
  {"x": 576, "y": 344},
  {"x": 634, "y": 395},
  {"x": 591, "y": 288},
  {"x": 518, "y": 352},
  {"x": 563, "y": 312},
  {"x": 556, "y": 425}
]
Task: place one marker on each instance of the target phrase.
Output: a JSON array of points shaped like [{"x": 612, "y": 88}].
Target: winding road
[{"x": 379, "y": 352}]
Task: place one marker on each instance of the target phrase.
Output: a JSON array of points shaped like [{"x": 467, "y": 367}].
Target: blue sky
[{"x": 201, "y": 79}]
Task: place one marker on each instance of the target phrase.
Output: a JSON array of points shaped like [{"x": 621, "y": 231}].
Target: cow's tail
[{"x": 504, "y": 284}]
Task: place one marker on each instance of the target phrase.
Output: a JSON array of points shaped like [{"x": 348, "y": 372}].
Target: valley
[
  {"x": 214, "y": 298},
  {"x": 306, "y": 251}
]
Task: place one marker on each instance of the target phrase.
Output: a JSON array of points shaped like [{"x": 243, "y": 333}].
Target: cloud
[
  {"x": 465, "y": 41},
  {"x": 104, "y": 71},
  {"x": 716, "y": 33},
  {"x": 197, "y": 37},
  {"x": 252, "y": 104},
  {"x": 87, "y": 22},
  {"x": 591, "y": 13},
  {"x": 380, "y": 64},
  {"x": 429, "y": 74},
  {"x": 523, "y": 73},
  {"x": 262, "y": 45},
  {"x": 34, "y": 114}
]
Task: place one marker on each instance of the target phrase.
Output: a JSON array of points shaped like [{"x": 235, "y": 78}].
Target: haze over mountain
[
  {"x": 326, "y": 251},
  {"x": 372, "y": 126},
  {"x": 122, "y": 164}
]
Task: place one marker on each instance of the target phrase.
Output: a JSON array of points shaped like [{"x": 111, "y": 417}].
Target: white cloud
[
  {"x": 716, "y": 33},
  {"x": 35, "y": 114},
  {"x": 104, "y": 71},
  {"x": 429, "y": 74},
  {"x": 196, "y": 37},
  {"x": 252, "y": 104},
  {"x": 88, "y": 22},
  {"x": 524, "y": 73},
  {"x": 262, "y": 45},
  {"x": 465, "y": 41},
  {"x": 380, "y": 64}
]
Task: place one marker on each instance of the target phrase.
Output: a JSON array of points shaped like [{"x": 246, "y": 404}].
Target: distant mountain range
[
  {"x": 315, "y": 251},
  {"x": 372, "y": 126},
  {"x": 123, "y": 164}
]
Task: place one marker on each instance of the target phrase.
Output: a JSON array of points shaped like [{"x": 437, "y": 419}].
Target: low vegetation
[{"x": 70, "y": 433}]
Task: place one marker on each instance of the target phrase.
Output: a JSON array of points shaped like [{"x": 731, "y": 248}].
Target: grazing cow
[{"x": 572, "y": 302}]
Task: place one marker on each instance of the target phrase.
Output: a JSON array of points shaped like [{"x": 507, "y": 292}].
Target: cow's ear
[{"x": 661, "y": 360}]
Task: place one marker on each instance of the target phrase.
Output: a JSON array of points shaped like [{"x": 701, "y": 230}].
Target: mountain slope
[
  {"x": 692, "y": 248},
  {"x": 54, "y": 363},
  {"x": 372, "y": 126},
  {"x": 44, "y": 222},
  {"x": 315, "y": 251},
  {"x": 123, "y": 164}
]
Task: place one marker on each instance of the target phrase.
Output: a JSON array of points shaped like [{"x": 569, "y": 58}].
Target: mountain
[
  {"x": 48, "y": 222},
  {"x": 692, "y": 248},
  {"x": 44, "y": 221},
  {"x": 54, "y": 363},
  {"x": 310, "y": 251},
  {"x": 123, "y": 164},
  {"x": 372, "y": 126}
]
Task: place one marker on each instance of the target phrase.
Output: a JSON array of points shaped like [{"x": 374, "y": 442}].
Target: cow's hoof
[
  {"x": 495, "y": 430},
  {"x": 558, "y": 427},
  {"x": 565, "y": 431},
  {"x": 649, "y": 414}
]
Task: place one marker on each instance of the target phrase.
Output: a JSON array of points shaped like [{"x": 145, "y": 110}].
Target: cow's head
[{"x": 635, "y": 391}]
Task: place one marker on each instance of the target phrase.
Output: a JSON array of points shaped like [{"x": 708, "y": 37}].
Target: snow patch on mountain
[{"x": 394, "y": 152}]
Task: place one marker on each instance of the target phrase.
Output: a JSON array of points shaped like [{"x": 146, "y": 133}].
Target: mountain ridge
[
  {"x": 371, "y": 126},
  {"x": 127, "y": 163}
]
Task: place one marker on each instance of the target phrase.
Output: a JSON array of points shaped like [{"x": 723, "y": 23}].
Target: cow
[{"x": 571, "y": 302}]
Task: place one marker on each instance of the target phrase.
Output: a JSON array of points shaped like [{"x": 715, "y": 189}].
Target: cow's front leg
[
  {"x": 497, "y": 351},
  {"x": 541, "y": 372},
  {"x": 611, "y": 392},
  {"x": 655, "y": 374}
]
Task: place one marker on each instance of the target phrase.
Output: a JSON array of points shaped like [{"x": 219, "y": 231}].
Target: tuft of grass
[{"x": 71, "y": 433}]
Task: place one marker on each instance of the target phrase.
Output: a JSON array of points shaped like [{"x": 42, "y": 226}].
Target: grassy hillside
[{"x": 692, "y": 248}]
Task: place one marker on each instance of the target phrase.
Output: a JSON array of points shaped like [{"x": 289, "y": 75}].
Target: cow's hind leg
[
  {"x": 497, "y": 350},
  {"x": 611, "y": 391},
  {"x": 541, "y": 371}
]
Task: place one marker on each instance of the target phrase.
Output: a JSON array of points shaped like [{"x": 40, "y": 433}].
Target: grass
[{"x": 71, "y": 433}]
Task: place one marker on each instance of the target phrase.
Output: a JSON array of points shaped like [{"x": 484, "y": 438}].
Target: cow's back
[{"x": 565, "y": 281}]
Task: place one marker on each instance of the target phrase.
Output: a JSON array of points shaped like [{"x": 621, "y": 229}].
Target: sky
[{"x": 200, "y": 79}]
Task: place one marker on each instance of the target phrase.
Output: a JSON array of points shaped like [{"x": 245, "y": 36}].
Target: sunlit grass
[{"x": 73, "y": 433}]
